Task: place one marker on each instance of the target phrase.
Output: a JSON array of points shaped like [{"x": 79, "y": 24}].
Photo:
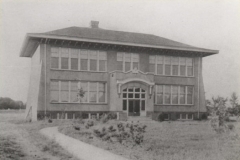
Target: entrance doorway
[{"x": 134, "y": 100}]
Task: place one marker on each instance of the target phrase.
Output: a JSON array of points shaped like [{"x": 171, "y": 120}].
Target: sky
[{"x": 212, "y": 24}]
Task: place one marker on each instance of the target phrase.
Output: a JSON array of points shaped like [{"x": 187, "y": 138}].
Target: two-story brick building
[{"x": 133, "y": 74}]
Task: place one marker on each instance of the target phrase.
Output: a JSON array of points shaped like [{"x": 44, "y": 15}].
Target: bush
[
  {"x": 230, "y": 126},
  {"x": 204, "y": 116},
  {"x": 89, "y": 124},
  {"x": 161, "y": 117}
]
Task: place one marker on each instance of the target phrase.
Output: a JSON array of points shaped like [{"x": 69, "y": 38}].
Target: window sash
[
  {"x": 174, "y": 94},
  {"x": 66, "y": 92}
]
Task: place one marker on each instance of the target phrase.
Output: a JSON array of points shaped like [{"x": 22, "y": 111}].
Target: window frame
[
  {"x": 79, "y": 59},
  {"x": 131, "y": 60},
  {"x": 79, "y": 86},
  {"x": 171, "y": 95},
  {"x": 171, "y": 65}
]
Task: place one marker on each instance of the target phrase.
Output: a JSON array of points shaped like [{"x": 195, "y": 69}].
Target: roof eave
[{"x": 29, "y": 47}]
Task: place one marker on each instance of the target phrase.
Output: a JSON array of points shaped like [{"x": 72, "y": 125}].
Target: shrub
[
  {"x": 204, "y": 116},
  {"x": 89, "y": 124},
  {"x": 161, "y": 117},
  {"x": 112, "y": 115},
  {"x": 230, "y": 126}
]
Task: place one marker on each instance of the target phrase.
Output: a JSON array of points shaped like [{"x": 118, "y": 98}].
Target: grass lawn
[
  {"x": 21, "y": 140},
  {"x": 190, "y": 140}
]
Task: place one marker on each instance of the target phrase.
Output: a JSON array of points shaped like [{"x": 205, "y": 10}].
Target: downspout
[
  {"x": 45, "y": 95},
  {"x": 199, "y": 87}
]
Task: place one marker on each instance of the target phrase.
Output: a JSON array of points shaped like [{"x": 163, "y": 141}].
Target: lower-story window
[
  {"x": 174, "y": 94},
  {"x": 67, "y": 92},
  {"x": 185, "y": 116}
]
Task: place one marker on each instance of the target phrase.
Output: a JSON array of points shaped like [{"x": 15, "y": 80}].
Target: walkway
[{"x": 79, "y": 149}]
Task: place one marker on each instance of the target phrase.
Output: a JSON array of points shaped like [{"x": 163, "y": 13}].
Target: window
[
  {"x": 135, "y": 60},
  {"x": 74, "y": 92},
  {"x": 64, "y": 58},
  {"x": 189, "y": 62},
  {"x": 152, "y": 64},
  {"x": 167, "y": 94},
  {"x": 182, "y": 62},
  {"x": 189, "y": 94},
  {"x": 127, "y": 61},
  {"x": 101, "y": 92},
  {"x": 174, "y": 61},
  {"x": 54, "y": 91},
  {"x": 120, "y": 61},
  {"x": 167, "y": 65},
  {"x": 102, "y": 61},
  {"x": 182, "y": 95},
  {"x": 173, "y": 94},
  {"x": 84, "y": 86},
  {"x": 93, "y": 92},
  {"x": 171, "y": 65},
  {"x": 74, "y": 59},
  {"x": 54, "y": 58},
  {"x": 66, "y": 91},
  {"x": 159, "y": 94},
  {"x": 159, "y": 65},
  {"x": 93, "y": 60}
]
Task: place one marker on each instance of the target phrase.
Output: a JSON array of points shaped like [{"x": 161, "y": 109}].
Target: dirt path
[{"x": 12, "y": 132}]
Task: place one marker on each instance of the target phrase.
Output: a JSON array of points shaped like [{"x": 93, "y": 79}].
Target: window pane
[
  {"x": 174, "y": 94},
  {"x": 93, "y": 92},
  {"x": 143, "y": 105},
  {"x": 190, "y": 116},
  {"x": 124, "y": 105},
  {"x": 159, "y": 69},
  {"x": 84, "y": 64},
  {"x": 102, "y": 65},
  {"x": 74, "y": 91},
  {"x": 124, "y": 95},
  {"x": 184, "y": 116},
  {"x": 175, "y": 70},
  {"x": 93, "y": 65},
  {"x": 119, "y": 66},
  {"x": 127, "y": 66},
  {"x": 152, "y": 68},
  {"x": 64, "y": 63},
  {"x": 102, "y": 56},
  {"x": 102, "y": 92},
  {"x": 135, "y": 65},
  {"x": 54, "y": 62},
  {"x": 167, "y": 60},
  {"x": 159, "y": 98},
  {"x": 54, "y": 49},
  {"x": 127, "y": 57},
  {"x": 74, "y": 63},
  {"x": 190, "y": 71},
  {"x": 189, "y": 61},
  {"x": 120, "y": 57},
  {"x": 64, "y": 91},
  {"x": 54, "y": 88},
  {"x": 182, "y": 94},
  {"x": 183, "y": 70},
  {"x": 189, "y": 95},
  {"x": 167, "y": 69},
  {"x": 84, "y": 86},
  {"x": 159, "y": 59},
  {"x": 167, "y": 94},
  {"x": 84, "y": 60},
  {"x": 152, "y": 59}
]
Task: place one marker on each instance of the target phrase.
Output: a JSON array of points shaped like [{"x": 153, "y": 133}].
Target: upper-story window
[
  {"x": 170, "y": 65},
  {"x": 127, "y": 61},
  {"x": 76, "y": 59}
]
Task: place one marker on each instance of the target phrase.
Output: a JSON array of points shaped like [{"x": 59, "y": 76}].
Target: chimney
[{"x": 94, "y": 24}]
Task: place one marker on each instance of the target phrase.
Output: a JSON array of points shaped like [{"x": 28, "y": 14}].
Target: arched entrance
[{"x": 134, "y": 100}]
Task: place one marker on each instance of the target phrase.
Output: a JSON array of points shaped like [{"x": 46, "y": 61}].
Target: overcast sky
[{"x": 212, "y": 24}]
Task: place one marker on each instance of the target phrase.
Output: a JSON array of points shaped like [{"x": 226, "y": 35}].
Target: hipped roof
[{"x": 110, "y": 37}]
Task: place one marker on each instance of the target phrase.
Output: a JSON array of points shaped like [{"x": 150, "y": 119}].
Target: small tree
[
  {"x": 234, "y": 104},
  {"x": 80, "y": 94}
]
